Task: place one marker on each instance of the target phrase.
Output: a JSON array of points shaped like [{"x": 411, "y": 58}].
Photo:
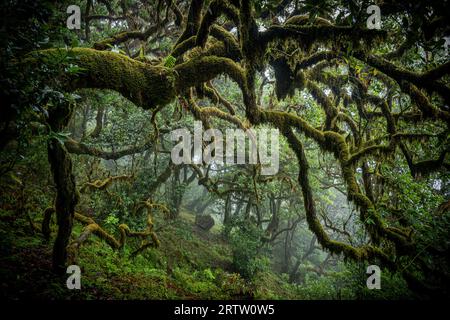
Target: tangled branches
[{"x": 148, "y": 236}]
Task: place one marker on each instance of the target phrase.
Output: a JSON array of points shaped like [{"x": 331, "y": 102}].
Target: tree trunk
[
  {"x": 66, "y": 192},
  {"x": 66, "y": 200},
  {"x": 98, "y": 122},
  {"x": 227, "y": 217}
]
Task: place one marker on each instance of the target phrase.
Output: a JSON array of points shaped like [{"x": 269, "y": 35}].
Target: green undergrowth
[{"x": 189, "y": 264}]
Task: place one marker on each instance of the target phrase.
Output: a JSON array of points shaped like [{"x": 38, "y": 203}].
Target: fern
[{"x": 169, "y": 62}]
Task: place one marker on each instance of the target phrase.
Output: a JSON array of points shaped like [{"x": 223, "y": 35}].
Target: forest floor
[{"x": 189, "y": 264}]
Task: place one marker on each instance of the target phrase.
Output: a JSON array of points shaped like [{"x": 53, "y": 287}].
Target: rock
[{"x": 206, "y": 222}]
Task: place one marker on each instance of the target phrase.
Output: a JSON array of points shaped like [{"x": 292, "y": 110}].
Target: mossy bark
[
  {"x": 66, "y": 191},
  {"x": 145, "y": 85},
  {"x": 46, "y": 222},
  {"x": 66, "y": 200}
]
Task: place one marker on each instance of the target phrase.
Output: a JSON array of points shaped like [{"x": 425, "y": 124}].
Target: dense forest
[{"x": 356, "y": 94}]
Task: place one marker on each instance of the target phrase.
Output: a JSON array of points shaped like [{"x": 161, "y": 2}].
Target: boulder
[{"x": 206, "y": 222}]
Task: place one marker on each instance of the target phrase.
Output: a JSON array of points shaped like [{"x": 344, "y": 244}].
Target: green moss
[
  {"x": 193, "y": 20},
  {"x": 335, "y": 142},
  {"x": 283, "y": 120},
  {"x": 284, "y": 76},
  {"x": 184, "y": 46},
  {"x": 322, "y": 99},
  {"x": 66, "y": 200},
  {"x": 147, "y": 86},
  {"x": 119, "y": 38},
  {"x": 203, "y": 69}
]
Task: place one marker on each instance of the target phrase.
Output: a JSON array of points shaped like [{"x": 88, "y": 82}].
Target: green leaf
[
  {"x": 60, "y": 136},
  {"x": 74, "y": 69},
  {"x": 169, "y": 62}
]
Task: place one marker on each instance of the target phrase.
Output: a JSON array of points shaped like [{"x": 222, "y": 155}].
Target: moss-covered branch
[
  {"x": 104, "y": 184},
  {"x": 125, "y": 36},
  {"x": 215, "y": 10},
  {"x": 148, "y": 236},
  {"x": 76, "y": 147},
  {"x": 203, "y": 69},
  {"x": 318, "y": 33},
  {"x": 425, "y": 80},
  {"x": 333, "y": 142},
  {"x": 145, "y": 85},
  {"x": 192, "y": 21},
  {"x": 217, "y": 98},
  {"x": 363, "y": 253}
]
